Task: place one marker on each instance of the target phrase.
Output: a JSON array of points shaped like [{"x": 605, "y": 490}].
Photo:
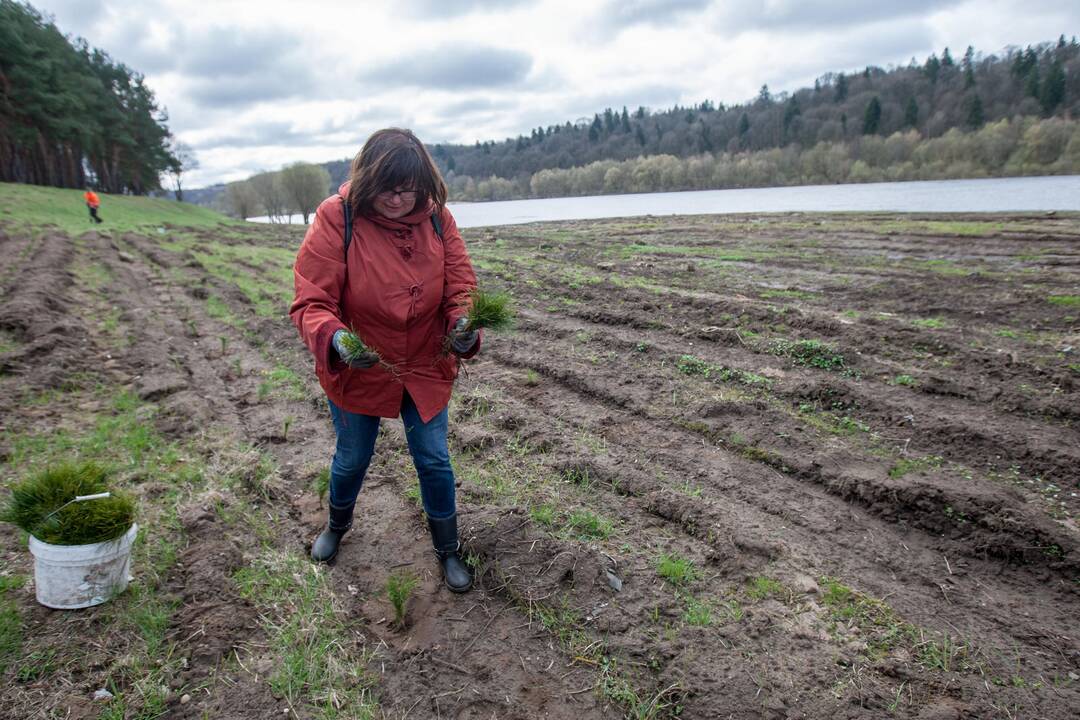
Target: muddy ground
[{"x": 785, "y": 466}]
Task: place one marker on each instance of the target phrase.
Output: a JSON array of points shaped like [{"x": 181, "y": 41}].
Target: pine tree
[
  {"x": 841, "y": 89},
  {"x": 911, "y": 113},
  {"x": 872, "y": 116},
  {"x": 1053, "y": 88},
  {"x": 932, "y": 68},
  {"x": 974, "y": 118},
  {"x": 969, "y": 68}
]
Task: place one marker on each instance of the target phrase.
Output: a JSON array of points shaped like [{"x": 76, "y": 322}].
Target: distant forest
[
  {"x": 70, "y": 116},
  {"x": 976, "y": 116},
  {"x": 841, "y": 110}
]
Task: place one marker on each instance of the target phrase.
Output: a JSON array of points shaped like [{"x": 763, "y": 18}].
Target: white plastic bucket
[{"x": 67, "y": 577}]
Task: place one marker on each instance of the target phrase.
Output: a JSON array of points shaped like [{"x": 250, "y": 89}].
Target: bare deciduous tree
[
  {"x": 268, "y": 188},
  {"x": 182, "y": 160},
  {"x": 306, "y": 186},
  {"x": 241, "y": 199}
]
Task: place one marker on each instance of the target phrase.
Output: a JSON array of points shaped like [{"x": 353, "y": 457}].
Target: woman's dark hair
[{"x": 392, "y": 158}]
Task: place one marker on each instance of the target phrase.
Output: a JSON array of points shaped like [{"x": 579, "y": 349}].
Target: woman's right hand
[{"x": 361, "y": 361}]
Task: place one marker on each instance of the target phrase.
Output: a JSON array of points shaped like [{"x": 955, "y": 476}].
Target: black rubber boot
[
  {"x": 325, "y": 547},
  {"x": 444, "y": 537}
]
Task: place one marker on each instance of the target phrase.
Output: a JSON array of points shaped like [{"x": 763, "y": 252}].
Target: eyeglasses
[{"x": 405, "y": 195}]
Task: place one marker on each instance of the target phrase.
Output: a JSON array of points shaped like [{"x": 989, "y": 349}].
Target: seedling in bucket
[{"x": 80, "y": 534}]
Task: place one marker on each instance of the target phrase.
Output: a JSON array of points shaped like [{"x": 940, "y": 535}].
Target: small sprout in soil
[
  {"x": 929, "y": 322},
  {"x": 543, "y": 515},
  {"x": 577, "y": 476},
  {"x": 676, "y": 570},
  {"x": 285, "y": 425},
  {"x": 944, "y": 653},
  {"x": 42, "y": 506},
  {"x": 224, "y": 343},
  {"x": 322, "y": 483},
  {"x": 587, "y": 525},
  {"x": 1066, "y": 300},
  {"x": 532, "y": 378},
  {"x": 762, "y": 587},
  {"x": 697, "y": 612},
  {"x": 734, "y": 610},
  {"x": 412, "y": 493},
  {"x": 903, "y": 380},
  {"x": 399, "y": 588}
]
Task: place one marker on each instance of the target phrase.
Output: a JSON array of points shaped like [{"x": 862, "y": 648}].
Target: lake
[{"x": 1061, "y": 192}]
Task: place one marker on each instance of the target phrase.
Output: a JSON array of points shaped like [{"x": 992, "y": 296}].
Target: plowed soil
[{"x": 785, "y": 466}]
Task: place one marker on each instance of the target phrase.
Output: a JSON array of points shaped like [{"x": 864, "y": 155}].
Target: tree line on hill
[
  {"x": 979, "y": 116},
  {"x": 930, "y": 98},
  {"x": 70, "y": 116}
]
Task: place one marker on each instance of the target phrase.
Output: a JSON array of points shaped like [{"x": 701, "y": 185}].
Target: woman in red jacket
[{"x": 402, "y": 284}]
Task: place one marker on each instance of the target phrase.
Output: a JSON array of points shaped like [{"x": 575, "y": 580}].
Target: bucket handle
[{"x": 78, "y": 498}]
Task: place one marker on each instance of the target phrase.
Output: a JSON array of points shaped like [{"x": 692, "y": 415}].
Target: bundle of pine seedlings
[
  {"x": 490, "y": 310},
  {"x": 45, "y": 506},
  {"x": 355, "y": 347}
]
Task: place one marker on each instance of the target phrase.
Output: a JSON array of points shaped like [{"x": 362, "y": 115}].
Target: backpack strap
[
  {"x": 438, "y": 226},
  {"x": 348, "y": 229}
]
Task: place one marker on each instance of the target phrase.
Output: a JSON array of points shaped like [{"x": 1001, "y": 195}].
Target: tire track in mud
[
  {"x": 466, "y": 656},
  {"x": 963, "y": 606},
  {"x": 953, "y": 429}
]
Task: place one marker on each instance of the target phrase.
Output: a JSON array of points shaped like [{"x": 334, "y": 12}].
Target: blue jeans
[{"x": 427, "y": 444}]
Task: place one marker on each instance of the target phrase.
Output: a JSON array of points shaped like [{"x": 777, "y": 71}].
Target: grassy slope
[{"x": 37, "y": 206}]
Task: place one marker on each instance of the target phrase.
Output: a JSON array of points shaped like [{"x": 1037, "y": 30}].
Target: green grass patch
[
  {"x": 697, "y": 612},
  {"x": 587, "y": 525},
  {"x": 7, "y": 342},
  {"x": 690, "y": 365},
  {"x": 906, "y": 465},
  {"x": 810, "y": 353},
  {"x": 11, "y": 627},
  {"x": 281, "y": 382},
  {"x": 676, "y": 570},
  {"x": 314, "y": 671},
  {"x": 934, "y": 322},
  {"x": 761, "y": 587},
  {"x": 787, "y": 294},
  {"x": 904, "y": 380},
  {"x": 35, "y": 207},
  {"x": 1064, "y": 300}
]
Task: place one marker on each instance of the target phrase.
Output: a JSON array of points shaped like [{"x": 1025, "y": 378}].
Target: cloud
[
  {"x": 625, "y": 13},
  {"x": 456, "y": 8},
  {"x": 744, "y": 15},
  {"x": 454, "y": 68},
  {"x": 236, "y": 51}
]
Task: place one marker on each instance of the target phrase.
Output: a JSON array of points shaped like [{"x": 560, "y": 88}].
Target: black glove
[
  {"x": 462, "y": 340},
  {"x": 360, "y": 362}
]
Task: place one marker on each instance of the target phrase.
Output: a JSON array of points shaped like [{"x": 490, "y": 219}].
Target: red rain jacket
[{"x": 406, "y": 288}]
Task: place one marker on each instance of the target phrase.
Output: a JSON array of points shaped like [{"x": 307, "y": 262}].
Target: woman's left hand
[{"x": 462, "y": 340}]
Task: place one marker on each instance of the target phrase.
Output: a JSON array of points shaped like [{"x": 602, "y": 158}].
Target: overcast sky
[{"x": 254, "y": 85}]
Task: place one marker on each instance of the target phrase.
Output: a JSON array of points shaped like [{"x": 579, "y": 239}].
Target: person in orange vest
[{"x": 92, "y": 203}]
